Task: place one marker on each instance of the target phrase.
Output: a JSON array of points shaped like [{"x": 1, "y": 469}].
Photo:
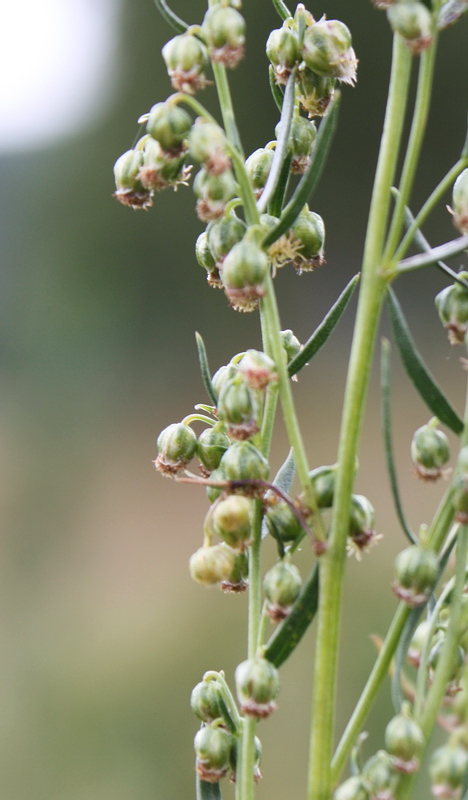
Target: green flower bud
[
  {"x": 211, "y": 566},
  {"x": 205, "y": 700},
  {"x": 378, "y": 776},
  {"x": 213, "y": 192},
  {"x": 351, "y": 789},
  {"x": 418, "y": 642},
  {"x": 460, "y": 488},
  {"x": 213, "y": 492},
  {"x": 452, "y": 306},
  {"x": 327, "y": 50},
  {"x": 211, "y": 446},
  {"x": 430, "y": 451},
  {"x": 205, "y": 259},
  {"x": 169, "y": 125},
  {"x": 244, "y": 462},
  {"x": 458, "y": 664},
  {"x": 222, "y": 376},
  {"x": 413, "y": 21},
  {"x": 416, "y": 571},
  {"x": 231, "y": 519},
  {"x": 244, "y": 271},
  {"x": 281, "y": 520},
  {"x": 308, "y": 239},
  {"x": 291, "y": 344},
  {"x": 186, "y": 59},
  {"x": 223, "y": 234},
  {"x": 258, "y": 167},
  {"x": 302, "y": 138},
  {"x": 224, "y": 30},
  {"x": 129, "y": 189},
  {"x": 177, "y": 445},
  {"x": 257, "y": 369},
  {"x": 362, "y": 535},
  {"x": 314, "y": 92},
  {"x": 460, "y": 202},
  {"x": 161, "y": 170},
  {"x": 283, "y": 52},
  {"x": 212, "y": 747},
  {"x": 323, "y": 483},
  {"x": 238, "y": 409},
  {"x": 281, "y": 585},
  {"x": 447, "y": 769},
  {"x": 237, "y": 580},
  {"x": 257, "y": 684},
  {"x": 404, "y": 741},
  {"x": 207, "y": 145}
]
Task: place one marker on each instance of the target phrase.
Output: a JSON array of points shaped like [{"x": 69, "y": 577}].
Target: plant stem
[{"x": 332, "y": 563}]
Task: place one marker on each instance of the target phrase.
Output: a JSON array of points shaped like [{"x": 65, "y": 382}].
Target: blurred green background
[{"x": 103, "y": 633}]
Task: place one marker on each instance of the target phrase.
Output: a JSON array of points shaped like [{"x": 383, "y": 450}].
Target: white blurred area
[{"x": 59, "y": 68}]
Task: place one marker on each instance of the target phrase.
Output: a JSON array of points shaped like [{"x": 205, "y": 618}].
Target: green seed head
[
  {"x": 378, "y": 776},
  {"x": 291, "y": 344},
  {"x": 205, "y": 700},
  {"x": 327, "y": 50},
  {"x": 213, "y": 192},
  {"x": 281, "y": 586},
  {"x": 323, "y": 482},
  {"x": 129, "y": 189},
  {"x": 314, "y": 92},
  {"x": 212, "y": 748},
  {"x": 430, "y": 452},
  {"x": 223, "y": 234},
  {"x": 176, "y": 445},
  {"x": 302, "y": 138},
  {"x": 283, "y": 52},
  {"x": 222, "y": 376},
  {"x": 452, "y": 307},
  {"x": 460, "y": 202},
  {"x": 244, "y": 462},
  {"x": 404, "y": 741},
  {"x": 211, "y": 446},
  {"x": 206, "y": 260},
  {"x": 308, "y": 238},
  {"x": 211, "y": 566},
  {"x": 169, "y": 125},
  {"x": 207, "y": 145},
  {"x": 258, "y": 167},
  {"x": 237, "y": 407},
  {"x": 416, "y": 571},
  {"x": 447, "y": 770},
  {"x": 257, "y": 369},
  {"x": 213, "y": 492},
  {"x": 231, "y": 520},
  {"x": 244, "y": 271},
  {"x": 257, "y": 684},
  {"x": 186, "y": 60},
  {"x": 281, "y": 520},
  {"x": 224, "y": 30},
  {"x": 413, "y": 21}
]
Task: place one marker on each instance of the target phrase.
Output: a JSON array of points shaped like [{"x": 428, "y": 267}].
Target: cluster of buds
[
  {"x": 412, "y": 20},
  {"x": 430, "y": 451}
]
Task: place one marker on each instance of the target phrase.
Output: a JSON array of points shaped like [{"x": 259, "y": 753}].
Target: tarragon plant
[{"x": 258, "y": 221}]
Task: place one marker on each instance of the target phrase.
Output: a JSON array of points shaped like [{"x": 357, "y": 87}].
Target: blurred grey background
[{"x": 103, "y": 635}]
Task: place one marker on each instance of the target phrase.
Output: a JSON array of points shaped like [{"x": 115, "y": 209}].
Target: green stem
[
  {"x": 225, "y": 101},
  {"x": 333, "y": 561}
]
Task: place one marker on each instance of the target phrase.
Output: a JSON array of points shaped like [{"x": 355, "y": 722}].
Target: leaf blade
[
  {"x": 205, "y": 369},
  {"x": 281, "y": 145},
  {"x": 289, "y": 633},
  {"x": 171, "y": 18}
]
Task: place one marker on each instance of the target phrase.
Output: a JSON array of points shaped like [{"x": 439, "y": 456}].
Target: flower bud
[
  {"x": 257, "y": 369},
  {"x": 460, "y": 488},
  {"x": 177, "y": 445},
  {"x": 213, "y": 492},
  {"x": 129, "y": 189},
  {"x": 186, "y": 59},
  {"x": 238, "y": 409},
  {"x": 207, "y": 145},
  {"x": 222, "y": 376},
  {"x": 416, "y": 571},
  {"x": 291, "y": 344},
  {"x": 212, "y": 565},
  {"x": 281, "y": 520},
  {"x": 169, "y": 125},
  {"x": 281, "y": 585},
  {"x": 223, "y": 234},
  {"x": 224, "y": 30},
  {"x": 258, "y": 167},
  {"x": 452, "y": 306},
  {"x": 327, "y": 50},
  {"x": 244, "y": 462},
  {"x": 404, "y": 741},
  {"x": 212, "y": 747},
  {"x": 323, "y": 483},
  {"x": 237, "y": 580},
  {"x": 377, "y": 776},
  {"x": 211, "y": 446},
  {"x": 456, "y": 672},
  {"x": 161, "y": 170},
  {"x": 205, "y": 259},
  {"x": 283, "y": 52},
  {"x": 205, "y": 700},
  {"x": 308, "y": 236},
  {"x": 314, "y": 92},
  {"x": 244, "y": 271},
  {"x": 302, "y": 138},
  {"x": 351, "y": 789},
  {"x": 231, "y": 519},
  {"x": 362, "y": 535},
  {"x": 430, "y": 451},
  {"x": 213, "y": 192},
  {"x": 257, "y": 683},
  {"x": 413, "y": 21},
  {"x": 447, "y": 769},
  {"x": 460, "y": 202}
]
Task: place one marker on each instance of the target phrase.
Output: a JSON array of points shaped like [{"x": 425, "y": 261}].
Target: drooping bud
[
  {"x": 206, "y": 260},
  {"x": 416, "y": 570},
  {"x": 447, "y": 769},
  {"x": 291, "y": 344},
  {"x": 186, "y": 59},
  {"x": 244, "y": 271},
  {"x": 243, "y": 462},
  {"x": 452, "y": 306},
  {"x": 223, "y": 234},
  {"x": 213, "y": 492},
  {"x": 212, "y": 747},
  {"x": 231, "y": 519},
  {"x": 327, "y": 50},
  {"x": 418, "y": 643},
  {"x": 224, "y": 30},
  {"x": 237, "y": 580},
  {"x": 281, "y": 520},
  {"x": 460, "y": 488},
  {"x": 361, "y": 536},
  {"x": 212, "y": 565},
  {"x": 214, "y": 193},
  {"x": 222, "y": 376},
  {"x": 460, "y": 202},
  {"x": 323, "y": 483},
  {"x": 257, "y": 684},
  {"x": 176, "y": 445},
  {"x": 211, "y": 446},
  {"x": 378, "y": 776},
  {"x": 257, "y": 370},
  {"x": 283, "y": 52},
  {"x": 308, "y": 237},
  {"x": 430, "y": 451},
  {"x": 314, "y": 92},
  {"x": 258, "y": 167},
  {"x": 161, "y": 170},
  {"x": 238, "y": 408},
  {"x": 351, "y": 789},
  {"x": 169, "y": 125},
  {"x": 207, "y": 145},
  {"x": 281, "y": 585},
  {"x": 302, "y": 138},
  {"x": 129, "y": 189},
  {"x": 404, "y": 741},
  {"x": 413, "y": 21},
  {"x": 205, "y": 701},
  {"x": 456, "y": 672}
]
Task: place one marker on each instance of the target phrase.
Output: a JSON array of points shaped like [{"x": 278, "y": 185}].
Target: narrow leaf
[
  {"x": 324, "y": 330},
  {"x": 208, "y": 791},
  {"x": 281, "y": 145},
  {"x": 172, "y": 19},
  {"x": 289, "y": 633},
  {"x": 276, "y": 90},
  {"x": 417, "y": 370},
  {"x": 282, "y": 9},
  {"x": 311, "y": 176},
  {"x": 276, "y": 203},
  {"x": 387, "y": 436},
  {"x": 447, "y": 250},
  {"x": 400, "y": 656},
  {"x": 451, "y": 13},
  {"x": 204, "y": 369}
]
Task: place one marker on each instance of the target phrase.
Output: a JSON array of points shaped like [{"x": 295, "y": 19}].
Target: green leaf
[
  {"x": 172, "y": 19},
  {"x": 282, "y": 144},
  {"x": 208, "y": 791},
  {"x": 387, "y": 436},
  {"x": 276, "y": 203},
  {"x": 324, "y": 330},
  {"x": 311, "y": 176},
  {"x": 205, "y": 370},
  {"x": 289, "y": 632},
  {"x": 276, "y": 90},
  {"x": 282, "y": 9},
  {"x": 417, "y": 370},
  {"x": 447, "y": 250}
]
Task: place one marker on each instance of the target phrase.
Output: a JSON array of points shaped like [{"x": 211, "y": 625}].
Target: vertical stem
[{"x": 332, "y": 562}]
